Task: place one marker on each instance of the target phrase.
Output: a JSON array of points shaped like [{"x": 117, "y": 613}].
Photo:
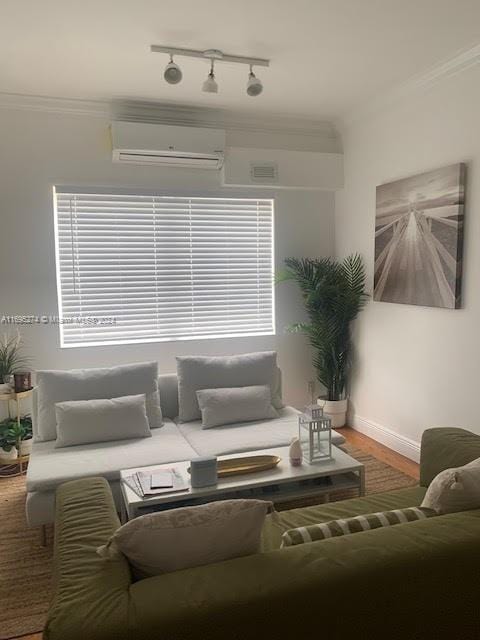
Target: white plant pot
[
  {"x": 8, "y": 457},
  {"x": 336, "y": 410},
  {"x": 5, "y": 388},
  {"x": 26, "y": 447}
]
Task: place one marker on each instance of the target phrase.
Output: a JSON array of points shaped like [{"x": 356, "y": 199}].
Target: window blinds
[{"x": 137, "y": 268}]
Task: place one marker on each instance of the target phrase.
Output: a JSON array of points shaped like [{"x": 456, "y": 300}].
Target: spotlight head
[
  {"x": 172, "y": 73},
  {"x": 254, "y": 84},
  {"x": 210, "y": 85}
]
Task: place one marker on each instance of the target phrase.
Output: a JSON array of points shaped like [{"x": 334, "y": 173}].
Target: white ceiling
[{"x": 327, "y": 55}]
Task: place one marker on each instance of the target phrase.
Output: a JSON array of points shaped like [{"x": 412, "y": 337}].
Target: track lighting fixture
[
  {"x": 254, "y": 84},
  {"x": 173, "y": 74},
  {"x": 210, "y": 85}
]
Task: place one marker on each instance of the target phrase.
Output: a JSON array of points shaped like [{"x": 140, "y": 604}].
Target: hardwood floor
[
  {"x": 372, "y": 447},
  {"x": 380, "y": 451}
]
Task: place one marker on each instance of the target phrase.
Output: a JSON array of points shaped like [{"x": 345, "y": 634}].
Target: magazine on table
[{"x": 153, "y": 483}]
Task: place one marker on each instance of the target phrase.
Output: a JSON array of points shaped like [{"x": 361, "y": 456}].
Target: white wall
[
  {"x": 416, "y": 366},
  {"x": 41, "y": 149}
]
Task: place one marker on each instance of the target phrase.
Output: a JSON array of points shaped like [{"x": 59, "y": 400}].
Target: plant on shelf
[
  {"x": 26, "y": 435},
  {"x": 11, "y": 356},
  {"x": 15, "y": 438},
  {"x": 9, "y": 439},
  {"x": 333, "y": 294}
]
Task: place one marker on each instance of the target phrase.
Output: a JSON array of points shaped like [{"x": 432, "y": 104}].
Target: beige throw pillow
[
  {"x": 455, "y": 490},
  {"x": 190, "y": 536}
]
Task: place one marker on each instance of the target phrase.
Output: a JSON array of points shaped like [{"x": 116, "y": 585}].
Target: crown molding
[
  {"x": 453, "y": 66},
  {"x": 22, "y": 102},
  {"x": 142, "y": 111},
  {"x": 220, "y": 118}
]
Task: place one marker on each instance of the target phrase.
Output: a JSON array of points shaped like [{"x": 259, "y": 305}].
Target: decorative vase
[
  {"x": 8, "y": 457},
  {"x": 26, "y": 447},
  {"x": 295, "y": 453},
  {"x": 336, "y": 410}
]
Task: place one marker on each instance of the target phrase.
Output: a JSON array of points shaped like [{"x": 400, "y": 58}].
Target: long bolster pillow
[{"x": 344, "y": 526}]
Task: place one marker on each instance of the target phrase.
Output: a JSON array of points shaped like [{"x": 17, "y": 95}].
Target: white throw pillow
[
  {"x": 86, "y": 421},
  {"x": 189, "y": 537},
  {"x": 235, "y": 404},
  {"x": 202, "y": 372},
  {"x": 95, "y": 384},
  {"x": 455, "y": 490}
]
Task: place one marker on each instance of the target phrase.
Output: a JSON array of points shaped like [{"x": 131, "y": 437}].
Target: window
[{"x": 138, "y": 268}]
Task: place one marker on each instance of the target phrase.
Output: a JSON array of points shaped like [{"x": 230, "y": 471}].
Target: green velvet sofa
[{"x": 419, "y": 580}]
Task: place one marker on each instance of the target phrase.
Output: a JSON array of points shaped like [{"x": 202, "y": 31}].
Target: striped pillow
[{"x": 355, "y": 524}]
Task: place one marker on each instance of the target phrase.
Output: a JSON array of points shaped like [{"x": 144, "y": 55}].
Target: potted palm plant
[
  {"x": 334, "y": 294},
  {"x": 11, "y": 359}
]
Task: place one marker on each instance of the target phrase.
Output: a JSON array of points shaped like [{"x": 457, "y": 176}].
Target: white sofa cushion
[
  {"x": 235, "y": 404},
  {"x": 49, "y": 466},
  {"x": 246, "y": 436},
  {"x": 205, "y": 372},
  {"x": 85, "y": 421},
  {"x": 94, "y": 384}
]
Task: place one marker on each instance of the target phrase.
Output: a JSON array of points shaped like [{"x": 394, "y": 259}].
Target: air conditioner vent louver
[
  {"x": 170, "y": 158},
  {"x": 265, "y": 172},
  {"x": 142, "y": 143}
]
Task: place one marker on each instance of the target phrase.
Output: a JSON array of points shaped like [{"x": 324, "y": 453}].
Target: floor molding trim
[{"x": 391, "y": 439}]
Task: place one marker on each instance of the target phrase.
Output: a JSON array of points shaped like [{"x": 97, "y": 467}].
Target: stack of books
[{"x": 153, "y": 483}]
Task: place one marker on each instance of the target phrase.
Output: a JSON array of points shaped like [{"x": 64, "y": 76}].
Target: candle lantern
[{"x": 315, "y": 434}]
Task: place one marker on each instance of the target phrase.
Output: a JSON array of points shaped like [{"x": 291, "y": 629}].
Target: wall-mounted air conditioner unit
[{"x": 193, "y": 147}]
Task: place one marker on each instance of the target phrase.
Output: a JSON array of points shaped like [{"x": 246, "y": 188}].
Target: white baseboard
[{"x": 401, "y": 444}]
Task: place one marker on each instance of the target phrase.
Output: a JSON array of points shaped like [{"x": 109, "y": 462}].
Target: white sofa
[{"x": 173, "y": 442}]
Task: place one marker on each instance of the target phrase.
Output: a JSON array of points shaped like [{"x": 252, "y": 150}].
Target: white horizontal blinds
[{"x": 163, "y": 267}]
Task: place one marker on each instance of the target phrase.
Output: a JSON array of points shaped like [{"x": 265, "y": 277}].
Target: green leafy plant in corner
[
  {"x": 11, "y": 356},
  {"x": 334, "y": 294}
]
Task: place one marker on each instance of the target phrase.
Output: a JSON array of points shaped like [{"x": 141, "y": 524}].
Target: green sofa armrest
[
  {"x": 446, "y": 447},
  {"x": 91, "y": 595}
]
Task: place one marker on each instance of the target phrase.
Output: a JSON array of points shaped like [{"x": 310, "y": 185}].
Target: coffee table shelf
[{"x": 280, "y": 485}]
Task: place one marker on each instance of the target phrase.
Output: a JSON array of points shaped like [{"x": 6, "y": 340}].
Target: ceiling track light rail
[
  {"x": 173, "y": 73},
  {"x": 209, "y": 54}
]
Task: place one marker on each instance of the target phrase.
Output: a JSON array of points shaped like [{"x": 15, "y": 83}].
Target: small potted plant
[
  {"x": 26, "y": 437},
  {"x": 8, "y": 449},
  {"x": 11, "y": 359}
]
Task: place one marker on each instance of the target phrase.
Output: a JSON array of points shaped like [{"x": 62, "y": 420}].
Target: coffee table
[{"x": 281, "y": 484}]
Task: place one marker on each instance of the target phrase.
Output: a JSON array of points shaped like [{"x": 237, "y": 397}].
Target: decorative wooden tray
[{"x": 246, "y": 464}]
